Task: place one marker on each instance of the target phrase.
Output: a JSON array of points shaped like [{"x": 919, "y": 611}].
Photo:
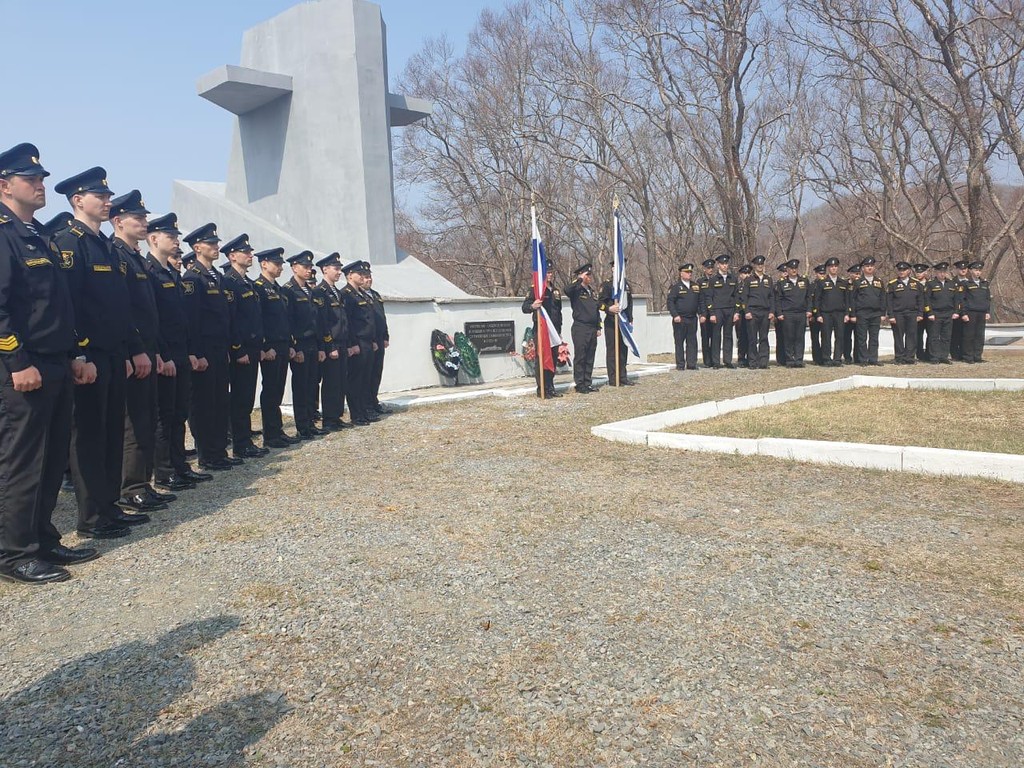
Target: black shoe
[
  {"x": 277, "y": 442},
  {"x": 717, "y": 366},
  {"x": 293, "y": 439},
  {"x": 175, "y": 483},
  {"x": 360, "y": 422},
  {"x": 61, "y": 555},
  {"x": 307, "y": 434},
  {"x": 583, "y": 390},
  {"x": 250, "y": 452},
  {"x": 140, "y": 502},
  {"x": 128, "y": 518},
  {"x": 382, "y": 408},
  {"x": 234, "y": 461},
  {"x": 729, "y": 365},
  {"x": 553, "y": 393},
  {"x": 216, "y": 465},
  {"x": 947, "y": 361},
  {"x": 105, "y": 531},
  {"x": 34, "y": 572},
  {"x": 346, "y": 424},
  {"x": 196, "y": 477},
  {"x": 160, "y": 497},
  {"x": 332, "y": 426}
]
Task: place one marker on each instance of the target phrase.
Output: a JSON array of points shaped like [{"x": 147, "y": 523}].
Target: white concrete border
[{"x": 646, "y": 430}]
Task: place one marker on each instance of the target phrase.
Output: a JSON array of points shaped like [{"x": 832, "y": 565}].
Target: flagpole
[
  {"x": 538, "y": 355},
  {"x": 615, "y": 246}
]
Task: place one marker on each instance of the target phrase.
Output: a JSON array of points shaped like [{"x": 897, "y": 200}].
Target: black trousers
[
  {"x": 97, "y": 441},
  {"x": 305, "y": 380},
  {"x": 705, "y": 339},
  {"x": 357, "y": 384},
  {"x": 332, "y": 387},
  {"x": 243, "y": 397},
  {"x": 757, "y": 333},
  {"x": 274, "y": 373},
  {"x": 140, "y": 420},
  {"x": 867, "y": 337},
  {"x": 721, "y": 337},
  {"x": 973, "y": 336},
  {"x": 956, "y": 340},
  {"x": 211, "y": 405},
  {"x": 832, "y": 335},
  {"x": 377, "y": 373},
  {"x": 780, "y": 343},
  {"x": 549, "y": 376},
  {"x": 817, "y": 354},
  {"x": 904, "y": 336},
  {"x": 922, "y": 347},
  {"x": 35, "y": 435},
  {"x": 609, "y": 356},
  {"x": 849, "y": 347},
  {"x": 742, "y": 343},
  {"x": 794, "y": 325},
  {"x": 939, "y": 331},
  {"x": 684, "y": 333},
  {"x": 173, "y": 396},
  {"x": 584, "y": 344}
]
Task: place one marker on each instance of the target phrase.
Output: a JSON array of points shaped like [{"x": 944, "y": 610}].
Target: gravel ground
[{"x": 412, "y": 594}]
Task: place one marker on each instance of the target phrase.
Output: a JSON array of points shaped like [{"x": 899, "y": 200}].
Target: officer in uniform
[
  {"x": 37, "y": 366},
  {"x": 128, "y": 218},
  {"x": 362, "y": 336},
  {"x": 708, "y": 265},
  {"x": 107, "y": 336},
  {"x": 552, "y": 303},
  {"x": 793, "y": 308},
  {"x": 209, "y": 331},
  {"x": 849, "y": 347},
  {"x": 904, "y": 306},
  {"x": 756, "y": 298},
  {"x": 611, "y": 309},
  {"x": 684, "y": 305},
  {"x": 306, "y": 364},
  {"x": 246, "y": 345},
  {"x": 332, "y": 336},
  {"x": 814, "y": 327},
  {"x": 867, "y": 305},
  {"x": 780, "y": 340},
  {"x": 956, "y": 347},
  {"x": 383, "y": 340},
  {"x": 277, "y": 347},
  {"x": 586, "y": 327},
  {"x": 940, "y": 300},
  {"x": 742, "y": 339},
  {"x": 975, "y": 307},
  {"x": 829, "y": 313},
  {"x": 723, "y": 311},
  {"x": 171, "y": 470},
  {"x": 921, "y": 275}
]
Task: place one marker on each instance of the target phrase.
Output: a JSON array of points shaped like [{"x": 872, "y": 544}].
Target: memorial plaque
[{"x": 493, "y": 337}]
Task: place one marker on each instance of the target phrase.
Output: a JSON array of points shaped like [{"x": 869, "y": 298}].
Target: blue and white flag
[{"x": 620, "y": 295}]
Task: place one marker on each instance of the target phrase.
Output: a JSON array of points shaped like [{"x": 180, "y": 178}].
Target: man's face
[
  {"x": 241, "y": 259},
  {"x": 922, "y": 276},
  {"x": 367, "y": 280},
  {"x": 792, "y": 272},
  {"x": 903, "y": 273},
  {"x": 833, "y": 270},
  {"x": 962, "y": 272},
  {"x": 723, "y": 266},
  {"x": 708, "y": 271},
  {"x": 302, "y": 271},
  {"x": 163, "y": 244},
  {"x": 942, "y": 274},
  {"x": 685, "y": 274},
  {"x": 868, "y": 270},
  {"x": 174, "y": 262},
  {"x": 133, "y": 225},
  {"x": 29, "y": 191},
  {"x": 587, "y": 278},
  {"x": 759, "y": 268},
  {"x": 976, "y": 274},
  {"x": 93, "y": 205},
  {"x": 332, "y": 273},
  {"x": 208, "y": 251},
  {"x": 272, "y": 269}
]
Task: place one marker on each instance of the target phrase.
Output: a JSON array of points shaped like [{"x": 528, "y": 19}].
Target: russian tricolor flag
[{"x": 547, "y": 336}]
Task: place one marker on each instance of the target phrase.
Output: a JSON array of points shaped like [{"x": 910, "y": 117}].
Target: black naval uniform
[
  {"x": 362, "y": 334},
  {"x": 380, "y": 320},
  {"x": 332, "y": 333},
  {"x": 305, "y": 375},
  {"x": 792, "y": 303},
  {"x": 706, "y": 327},
  {"x": 975, "y": 303},
  {"x": 553, "y": 305},
  {"x": 904, "y": 302},
  {"x": 173, "y": 392},
  {"x": 940, "y": 302},
  {"x": 956, "y": 336},
  {"x": 107, "y": 336},
  {"x": 277, "y": 336},
  {"x": 757, "y": 298},
  {"x": 814, "y": 327},
  {"x": 37, "y": 328},
  {"x": 867, "y": 303},
  {"x": 140, "y": 394},
  {"x": 830, "y": 303},
  {"x": 723, "y": 306},
  {"x": 586, "y": 325},
  {"x": 684, "y": 303},
  {"x": 246, "y": 343},
  {"x": 209, "y": 337}
]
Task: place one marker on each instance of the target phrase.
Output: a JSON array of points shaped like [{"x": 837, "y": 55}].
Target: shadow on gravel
[{"x": 119, "y": 708}]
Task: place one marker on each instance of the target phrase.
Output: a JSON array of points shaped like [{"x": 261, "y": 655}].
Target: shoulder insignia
[
  {"x": 4, "y": 219},
  {"x": 318, "y": 301},
  {"x": 67, "y": 259},
  {"x": 893, "y": 280},
  {"x": 76, "y": 231},
  {"x": 188, "y": 287}
]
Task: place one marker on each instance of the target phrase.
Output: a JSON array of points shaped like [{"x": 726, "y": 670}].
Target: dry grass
[{"x": 968, "y": 421}]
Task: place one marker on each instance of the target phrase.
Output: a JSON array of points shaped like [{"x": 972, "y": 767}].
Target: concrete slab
[
  {"x": 746, "y": 403},
  {"x": 783, "y": 395},
  {"x": 960, "y": 385},
  {"x": 618, "y": 435},
  {"x": 1009, "y": 385},
  {"x": 834, "y": 453},
  {"x": 884, "y": 382},
  {"x": 939, "y": 461},
  {"x": 703, "y": 443}
]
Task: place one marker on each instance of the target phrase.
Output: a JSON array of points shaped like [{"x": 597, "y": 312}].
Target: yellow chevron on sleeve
[
  {"x": 83, "y": 343},
  {"x": 9, "y": 343}
]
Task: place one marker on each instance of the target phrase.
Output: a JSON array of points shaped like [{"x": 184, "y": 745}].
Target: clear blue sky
[{"x": 114, "y": 83}]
